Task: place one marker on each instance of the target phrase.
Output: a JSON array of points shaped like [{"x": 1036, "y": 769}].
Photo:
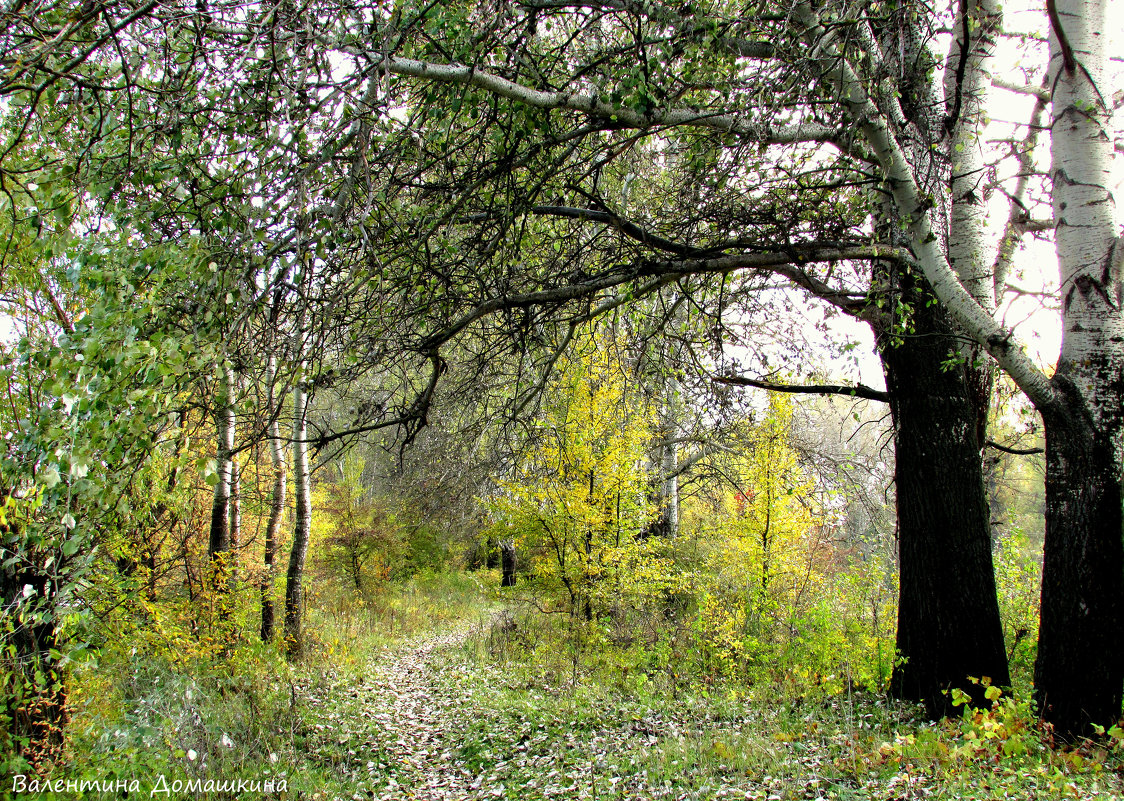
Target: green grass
[
  {"x": 146, "y": 709},
  {"x": 539, "y": 707},
  {"x": 550, "y": 722}
]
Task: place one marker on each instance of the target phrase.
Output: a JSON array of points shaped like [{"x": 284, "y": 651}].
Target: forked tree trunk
[{"x": 294, "y": 579}]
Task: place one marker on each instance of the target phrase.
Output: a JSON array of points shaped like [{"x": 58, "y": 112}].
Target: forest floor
[
  {"x": 405, "y": 721},
  {"x": 433, "y": 718},
  {"x": 442, "y": 689}
]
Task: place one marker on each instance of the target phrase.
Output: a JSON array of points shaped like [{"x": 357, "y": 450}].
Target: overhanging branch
[
  {"x": 589, "y": 102},
  {"x": 1016, "y": 451},
  {"x": 856, "y": 391},
  {"x": 666, "y": 271}
]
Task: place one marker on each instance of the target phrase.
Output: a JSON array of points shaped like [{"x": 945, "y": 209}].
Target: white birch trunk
[
  {"x": 967, "y": 78},
  {"x": 669, "y": 457},
  {"x": 1084, "y": 210},
  {"x": 924, "y": 230},
  {"x": 276, "y": 509},
  {"x": 225, "y": 426},
  {"x": 294, "y": 585},
  {"x": 1078, "y": 675}
]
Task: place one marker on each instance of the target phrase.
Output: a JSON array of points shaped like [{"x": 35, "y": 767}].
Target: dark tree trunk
[
  {"x": 491, "y": 554},
  {"x": 356, "y": 569},
  {"x": 294, "y": 579},
  {"x": 507, "y": 554},
  {"x": 1079, "y": 674},
  {"x": 949, "y": 628}
]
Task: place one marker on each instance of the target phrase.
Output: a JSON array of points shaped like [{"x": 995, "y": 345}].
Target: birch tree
[{"x": 452, "y": 171}]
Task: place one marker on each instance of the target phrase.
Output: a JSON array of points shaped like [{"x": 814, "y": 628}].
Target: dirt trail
[{"x": 417, "y": 721}]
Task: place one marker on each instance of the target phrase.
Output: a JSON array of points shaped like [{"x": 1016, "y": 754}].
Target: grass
[
  {"x": 545, "y": 730},
  {"x": 149, "y": 707},
  {"x": 538, "y": 708}
]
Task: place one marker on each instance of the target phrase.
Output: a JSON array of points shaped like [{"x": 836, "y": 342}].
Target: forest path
[
  {"x": 415, "y": 718},
  {"x": 431, "y": 720}
]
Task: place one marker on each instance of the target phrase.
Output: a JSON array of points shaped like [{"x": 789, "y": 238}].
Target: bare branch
[
  {"x": 1016, "y": 451},
  {"x": 1040, "y": 92},
  {"x": 856, "y": 391}
]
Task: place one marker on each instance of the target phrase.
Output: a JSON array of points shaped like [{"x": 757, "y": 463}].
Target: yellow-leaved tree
[
  {"x": 763, "y": 534},
  {"x": 577, "y": 503}
]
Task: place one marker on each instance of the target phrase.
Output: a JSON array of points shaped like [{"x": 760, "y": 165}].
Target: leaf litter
[{"x": 430, "y": 720}]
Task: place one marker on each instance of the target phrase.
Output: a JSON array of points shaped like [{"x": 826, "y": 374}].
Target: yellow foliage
[
  {"x": 762, "y": 542},
  {"x": 579, "y": 499}
]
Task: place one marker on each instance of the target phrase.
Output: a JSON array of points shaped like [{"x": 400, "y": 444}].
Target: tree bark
[
  {"x": 669, "y": 462},
  {"x": 1079, "y": 674},
  {"x": 219, "y": 545},
  {"x": 294, "y": 579},
  {"x": 949, "y": 629},
  {"x": 948, "y": 617},
  {"x": 235, "y": 504},
  {"x": 273, "y": 526},
  {"x": 507, "y": 552}
]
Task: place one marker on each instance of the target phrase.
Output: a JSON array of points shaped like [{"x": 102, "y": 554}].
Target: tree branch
[
  {"x": 1016, "y": 451},
  {"x": 746, "y": 48},
  {"x": 627, "y": 228},
  {"x": 998, "y": 340},
  {"x": 852, "y": 304},
  {"x": 856, "y": 391},
  {"x": 590, "y": 103},
  {"x": 1040, "y": 92}
]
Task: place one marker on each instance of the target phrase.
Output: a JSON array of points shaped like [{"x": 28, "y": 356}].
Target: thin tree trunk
[
  {"x": 235, "y": 516},
  {"x": 294, "y": 588},
  {"x": 669, "y": 459},
  {"x": 507, "y": 551},
  {"x": 34, "y": 704},
  {"x": 273, "y": 527},
  {"x": 219, "y": 546}
]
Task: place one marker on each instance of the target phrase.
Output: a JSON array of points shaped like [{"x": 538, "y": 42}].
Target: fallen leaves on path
[{"x": 429, "y": 720}]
